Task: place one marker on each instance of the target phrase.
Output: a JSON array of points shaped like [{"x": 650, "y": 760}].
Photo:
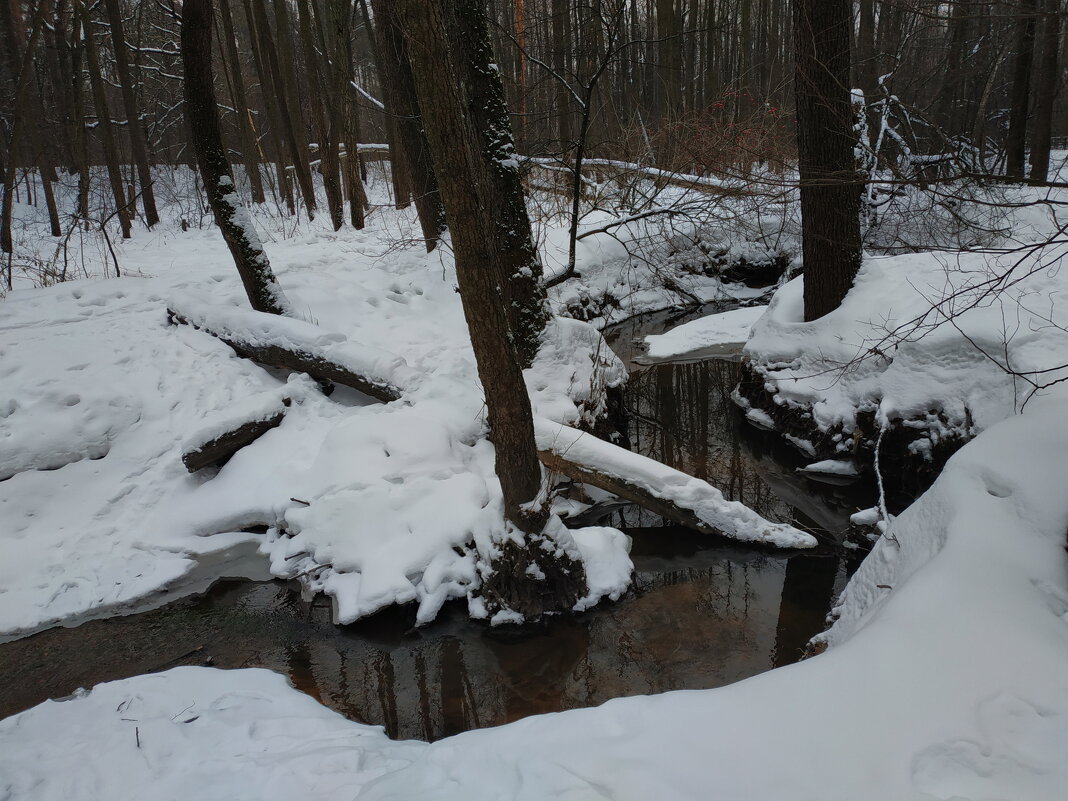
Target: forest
[{"x": 529, "y": 399}]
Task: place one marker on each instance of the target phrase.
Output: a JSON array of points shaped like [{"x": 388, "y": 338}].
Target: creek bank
[{"x": 911, "y": 450}]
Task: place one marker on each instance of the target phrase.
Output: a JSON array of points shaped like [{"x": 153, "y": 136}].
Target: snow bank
[
  {"x": 917, "y": 337},
  {"x": 944, "y": 678},
  {"x": 190, "y": 733},
  {"x": 724, "y": 328}
]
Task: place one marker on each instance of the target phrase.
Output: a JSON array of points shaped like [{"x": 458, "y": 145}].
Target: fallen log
[
  {"x": 296, "y": 345},
  {"x": 224, "y": 434},
  {"x": 670, "y": 493},
  {"x": 219, "y": 450}
]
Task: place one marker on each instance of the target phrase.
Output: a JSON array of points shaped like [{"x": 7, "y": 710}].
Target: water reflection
[
  {"x": 702, "y": 612},
  {"x": 700, "y": 616},
  {"x": 681, "y": 414}
]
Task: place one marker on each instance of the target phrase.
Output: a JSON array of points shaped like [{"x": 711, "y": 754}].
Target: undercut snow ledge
[{"x": 729, "y": 518}]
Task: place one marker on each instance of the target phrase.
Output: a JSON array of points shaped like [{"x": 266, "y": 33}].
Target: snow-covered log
[
  {"x": 226, "y": 434},
  {"x": 300, "y": 346},
  {"x": 668, "y": 492}
]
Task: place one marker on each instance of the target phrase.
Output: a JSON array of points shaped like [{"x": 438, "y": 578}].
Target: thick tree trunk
[
  {"x": 522, "y": 292},
  {"x": 399, "y": 94},
  {"x": 1045, "y": 92},
  {"x": 457, "y": 150},
  {"x": 203, "y": 117},
  {"x": 135, "y": 129},
  {"x": 830, "y": 187},
  {"x": 1020, "y": 99}
]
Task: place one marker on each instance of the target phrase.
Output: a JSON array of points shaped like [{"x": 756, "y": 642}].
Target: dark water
[{"x": 702, "y": 613}]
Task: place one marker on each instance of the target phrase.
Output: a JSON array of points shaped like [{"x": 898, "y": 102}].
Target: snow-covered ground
[
  {"x": 944, "y": 675},
  {"x": 373, "y": 504},
  {"x": 944, "y": 679}
]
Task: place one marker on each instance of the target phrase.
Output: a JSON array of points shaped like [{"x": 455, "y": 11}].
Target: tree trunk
[
  {"x": 135, "y": 129},
  {"x": 1016, "y": 138},
  {"x": 1045, "y": 92},
  {"x": 399, "y": 93},
  {"x": 269, "y": 96},
  {"x": 249, "y": 149},
  {"x": 457, "y": 150},
  {"x": 830, "y": 188},
  {"x": 523, "y": 294},
  {"x": 283, "y": 99},
  {"x": 323, "y": 114},
  {"x": 203, "y": 117},
  {"x": 107, "y": 138}
]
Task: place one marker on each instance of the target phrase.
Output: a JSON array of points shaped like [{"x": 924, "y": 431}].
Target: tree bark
[
  {"x": 457, "y": 150},
  {"x": 135, "y": 129},
  {"x": 522, "y": 291},
  {"x": 323, "y": 114},
  {"x": 203, "y": 117},
  {"x": 830, "y": 187},
  {"x": 1016, "y": 138},
  {"x": 107, "y": 138},
  {"x": 1045, "y": 92},
  {"x": 399, "y": 93},
  {"x": 269, "y": 97},
  {"x": 283, "y": 100},
  {"x": 249, "y": 149}
]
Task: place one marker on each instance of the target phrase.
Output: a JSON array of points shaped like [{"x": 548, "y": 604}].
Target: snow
[
  {"x": 725, "y": 328},
  {"x": 733, "y": 519},
  {"x": 943, "y": 678},
  {"x": 254, "y": 409},
  {"x": 373, "y": 504},
  {"x": 870, "y": 354},
  {"x": 832, "y": 467},
  {"x": 190, "y": 733},
  {"x": 944, "y": 671}
]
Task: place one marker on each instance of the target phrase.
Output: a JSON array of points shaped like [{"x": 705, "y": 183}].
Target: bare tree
[
  {"x": 482, "y": 270},
  {"x": 202, "y": 114},
  {"x": 134, "y": 128}
]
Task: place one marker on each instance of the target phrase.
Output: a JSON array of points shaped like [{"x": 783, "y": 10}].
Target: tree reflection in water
[{"x": 703, "y": 612}]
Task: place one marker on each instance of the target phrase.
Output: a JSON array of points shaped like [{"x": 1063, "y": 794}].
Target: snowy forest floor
[{"x": 944, "y": 673}]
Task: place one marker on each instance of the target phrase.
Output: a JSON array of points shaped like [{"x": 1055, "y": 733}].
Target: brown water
[{"x": 703, "y": 612}]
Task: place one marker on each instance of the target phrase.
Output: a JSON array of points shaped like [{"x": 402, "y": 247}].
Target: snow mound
[{"x": 919, "y": 336}]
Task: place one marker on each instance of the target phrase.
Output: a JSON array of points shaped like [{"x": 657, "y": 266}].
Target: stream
[{"x": 703, "y": 612}]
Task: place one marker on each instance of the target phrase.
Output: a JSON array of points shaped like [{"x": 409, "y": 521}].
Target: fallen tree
[
  {"x": 292, "y": 344},
  {"x": 670, "y": 493},
  {"x": 225, "y": 435}
]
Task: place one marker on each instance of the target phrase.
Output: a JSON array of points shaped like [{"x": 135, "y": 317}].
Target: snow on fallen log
[
  {"x": 225, "y": 434},
  {"x": 699, "y": 183},
  {"x": 668, "y": 492},
  {"x": 300, "y": 346},
  {"x": 725, "y": 328}
]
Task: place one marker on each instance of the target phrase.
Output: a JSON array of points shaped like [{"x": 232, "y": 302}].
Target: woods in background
[{"x": 703, "y": 87}]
